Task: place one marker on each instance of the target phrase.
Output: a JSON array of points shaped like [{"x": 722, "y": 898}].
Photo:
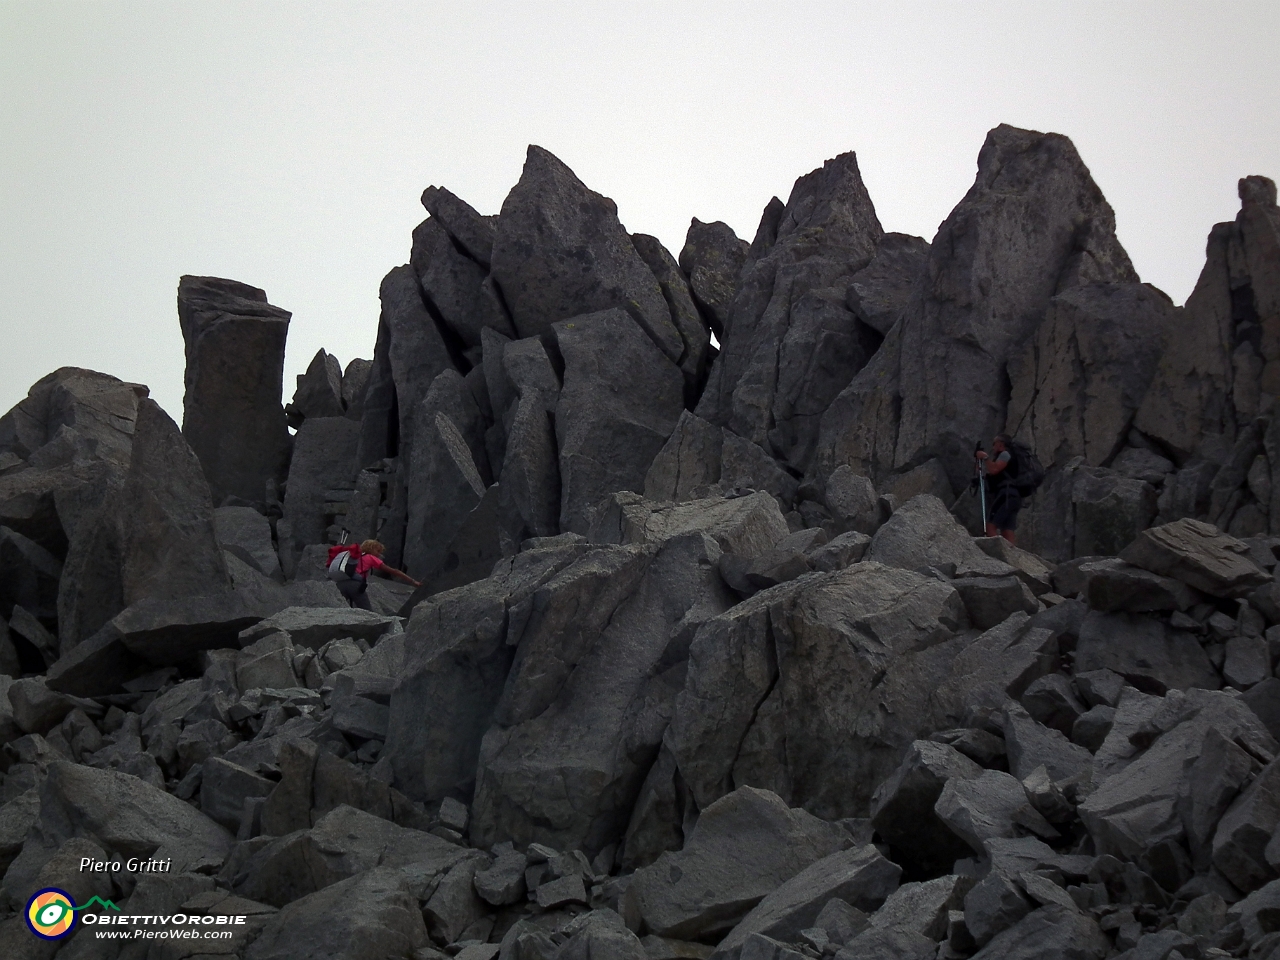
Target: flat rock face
[
  {"x": 1199, "y": 555},
  {"x": 324, "y": 451},
  {"x": 370, "y": 916},
  {"x": 791, "y": 344},
  {"x": 829, "y": 638},
  {"x": 586, "y": 700},
  {"x": 445, "y": 481},
  {"x": 1078, "y": 382},
  {"x": 859, "y": 876},
  {"x": 744, "y": 847},
  {"x": 620, "y": 402},
  {"x": 232, "y": 412},
  {"x": 923, "y": 534},
  {"x": 1033, "y": 225},
  {"x": 456, "y": 663},
  {"x": 169, "y": 548}
]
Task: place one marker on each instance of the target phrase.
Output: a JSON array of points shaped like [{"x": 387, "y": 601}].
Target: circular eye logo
[{"x": 51, "y": 914}]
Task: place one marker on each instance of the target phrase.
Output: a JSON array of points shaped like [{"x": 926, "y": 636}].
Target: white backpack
[{"x": 342, "y": 566}]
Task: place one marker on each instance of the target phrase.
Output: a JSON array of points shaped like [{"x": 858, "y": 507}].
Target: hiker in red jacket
[{"x": 370, "y": 561}]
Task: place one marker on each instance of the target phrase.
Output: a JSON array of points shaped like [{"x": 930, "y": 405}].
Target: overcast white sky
[{"x": 286, "y": 144}]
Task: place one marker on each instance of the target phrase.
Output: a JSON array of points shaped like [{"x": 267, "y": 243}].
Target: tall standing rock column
[{"x": 232, "y": 415}]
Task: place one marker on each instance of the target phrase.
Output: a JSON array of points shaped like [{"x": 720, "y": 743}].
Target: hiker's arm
[
  {"x": 391, "y": 571},
  {"x": 996, "y": 466}
]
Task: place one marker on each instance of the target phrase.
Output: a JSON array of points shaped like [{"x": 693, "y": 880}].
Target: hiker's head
[
  {"x": 376, "y": 547},
  {"x": 1001, "y": 442}
]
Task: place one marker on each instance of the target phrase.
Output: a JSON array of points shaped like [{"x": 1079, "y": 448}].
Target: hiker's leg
[
  {"x": 1010, "y": 535},
  {"x": 351, "y": 590},
  {"x": 361, "y": 601},
  {"x": 991, "y": 529}
]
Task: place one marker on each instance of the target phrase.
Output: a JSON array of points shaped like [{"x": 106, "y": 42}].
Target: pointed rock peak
[
  {"x": 463, "y": 223},
  {"x": 1257, "y": 191},
  {"x": 767, "y": 232},
  {"x": 546, "y": 174},
  {"x": 832, "y": 205}
]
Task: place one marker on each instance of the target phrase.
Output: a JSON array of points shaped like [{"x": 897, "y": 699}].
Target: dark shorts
[
  {"x": 354, "y": 591},
  {"x": 1005, "y": 504}
]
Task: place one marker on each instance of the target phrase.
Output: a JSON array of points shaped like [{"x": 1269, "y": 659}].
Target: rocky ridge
[{"x": 707, "y": 661}]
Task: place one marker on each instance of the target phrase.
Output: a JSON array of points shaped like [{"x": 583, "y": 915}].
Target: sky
[{"x": 286, "y": 145}]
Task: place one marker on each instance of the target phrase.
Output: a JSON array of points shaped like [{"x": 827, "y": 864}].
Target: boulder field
[{"x": 710, "y": 660}]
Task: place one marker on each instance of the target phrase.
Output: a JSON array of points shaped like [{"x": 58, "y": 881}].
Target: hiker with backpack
[
  {"x": 351, "y": 564},
  {"x": 1012, "y": 473}
]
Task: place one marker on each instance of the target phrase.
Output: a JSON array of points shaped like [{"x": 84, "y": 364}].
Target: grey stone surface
[
  {"x": 319, "y": 391},
  {"x": 1136, "y": 806},
  {"x": 502, "y": 882},
  {"x": 343, "y": 843},
  {"x": 1206, "y": 384},
  {"x": 923, "y": 534},
  {"x": 72, "y": 409},
  {"x": 1199, "y": 555},
  {"x": 992, "y": 600},
  {"x": 366, "y": 917},
  {"x": 832, "y": 638},
  {"x": 29, "y": 575},
  {"x": 247, "y": 533},
  {"x": 745, "y": 526},
  {"x": 859, "y": 876},
  {"x": 852, "y": 501},
  {"x": 168, "y": 545},
  {"x": 560, "y": 252},
  {"x": 693, "y": 328},
  {"x": 935, "y": 384},
  {"x": 324, "y": 454},
  {"x": 712, "y": 258},
  {"x": 232, "y": 413},
  {"x": 1050, "y": 933},
  {"x": 902, "y": 807},
  {"x": 621, "y": 400},
  {"x": 791, "y": 344},
  {"x": 744, "y": 847},
  {"x": 1145, "y": 652},
  {"x": 989, "y": 806},
  {"x": 446, "y": 481},
  {"x": 1239, "y": 845},
  {"x": 878, "y": 293},
  {"x": 1079, "y": 380},
  {"x": 225, "y": 786},
  {"x": 313, "y": 627},
  {"x": 588, "y": 693},
  {"x": 456, "y": 663},
  {"x": 1111, "y": 585},
  {"x": 120, "y": 813}
]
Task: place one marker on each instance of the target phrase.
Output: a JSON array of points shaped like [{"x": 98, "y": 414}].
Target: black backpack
[{"x": 1027, "y": 470}]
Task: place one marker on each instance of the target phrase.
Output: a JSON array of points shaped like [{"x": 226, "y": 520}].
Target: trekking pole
[{"x": 980, "y": 467}]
